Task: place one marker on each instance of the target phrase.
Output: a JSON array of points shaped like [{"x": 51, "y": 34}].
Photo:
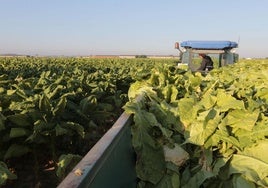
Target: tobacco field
[
  {"x": 53, "y": 110},
  {"x": 190, "y": 129},
  {"x": 194, "y": 131}
]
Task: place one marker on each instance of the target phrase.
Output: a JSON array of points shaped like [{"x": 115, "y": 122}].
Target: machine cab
[{"x": 221, "y": 52}]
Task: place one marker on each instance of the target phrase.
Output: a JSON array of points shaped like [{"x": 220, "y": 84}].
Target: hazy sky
[{"x": 150, "y": 27}]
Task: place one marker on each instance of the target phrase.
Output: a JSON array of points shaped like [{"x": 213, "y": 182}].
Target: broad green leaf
[
  {"x": 209, "y": 99},
  {"x": 44, "y": 104},
  {"x": 171, "y": 120},
  {"x": 240, "y": 181},
  {"x": 37, "y": 138},
  {"x": 253, "y": 104},
  {"x": 66, "y": 163},
  {"x": 21, "y": 120},
  {"x": 166, "y": 115},
  {"x": 21, "y": 93},
  {"x": 159, "y": 112},
  {"x": 88, "y": 104},
  {"x": 174, "y": 94},
  {"x": 2, "y": 121},
  {"x": 105, "y": 107},
  {"x": 204, "y": 126},
  {"x": 249, "y": 137},
  {"x": 16, "y": 150},
  {"x": 133, "y": 107},
  {"x": 262, "y": 93},
  {"x": 195, "y": 81},
  {"x": 150, "y": 165},
  {"x": 11, "y": 91},
  {"x": 53, "y": 90},
  {"x": 22, "y": 105},
  {"x": 151, "y": 120},
  {"x": 3, "y": 77},
  {"x": 221, "y": 135},
  {"x": 5, "y": 174},
  {"x": 175, "y": 180},
  {"x": 18, "y": 132},
  {"x": 60, "y": 107},
  {"x": 197, "y": 179},
  {"x": 150, "y": 162},
  {"x": 61, "y": 131},
  {"x": 79, "y": 129},
  {"x": 141, "y": 129},
  {"x": 186, "y": 175},
  {"x": 186, "y": 111},
  {"x": 208, "y": 102},
  {"x": 170, "y": 180},
  {"x": 219, "y": 163},
  {"x": 139, "y": 88},
  {"x": 2, "y": 90},
  {"x": 226, "y": 102},
  {"x": 258, "y": 150},
  {"x": 170, "y": 93},
  {"x": 242, "y": 119},
  {"x": 60, "y": 79},
  {"x": 41, "y": 126},
  {"x": 251, "y": 168}
]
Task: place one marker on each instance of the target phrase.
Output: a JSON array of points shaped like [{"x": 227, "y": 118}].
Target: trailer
[
  {"x": 110, "y": 163},
  {"x": 221, "y": 52}
]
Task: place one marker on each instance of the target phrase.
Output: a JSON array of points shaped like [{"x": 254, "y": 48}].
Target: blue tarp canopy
[{"x": 209, "y": 44}]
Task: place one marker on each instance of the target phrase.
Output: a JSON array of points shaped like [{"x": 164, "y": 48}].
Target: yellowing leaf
[
  {"x": 226, "y": 102},
  {"x": 242, "y": 119},
  {"x": 253, "y": 169},
  {"x": 258, "y": 151},
  {"x": 186, "y": 111}
]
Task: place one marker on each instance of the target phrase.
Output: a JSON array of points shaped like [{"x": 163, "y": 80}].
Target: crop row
[
  {"x": 53, "y": 110},
  {"x": 197, "y": 131}
]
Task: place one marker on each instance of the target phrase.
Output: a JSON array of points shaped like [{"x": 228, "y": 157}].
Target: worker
[{"x": 206, "y": 63}]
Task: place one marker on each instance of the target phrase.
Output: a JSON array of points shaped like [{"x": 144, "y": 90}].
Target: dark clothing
[{"x": 206, "y": 64}]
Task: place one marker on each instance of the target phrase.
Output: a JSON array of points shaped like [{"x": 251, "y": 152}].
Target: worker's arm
[{"x": 202, "y": 66}]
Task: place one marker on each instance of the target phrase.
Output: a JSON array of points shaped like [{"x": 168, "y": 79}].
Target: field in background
[{"x": 53, "y": 110}]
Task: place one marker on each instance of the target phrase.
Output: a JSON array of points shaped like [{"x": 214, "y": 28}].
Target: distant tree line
[{"x": 140, "y": 56}]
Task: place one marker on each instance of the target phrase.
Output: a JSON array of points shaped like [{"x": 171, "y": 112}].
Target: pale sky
[{"x": 117, "y": 27}]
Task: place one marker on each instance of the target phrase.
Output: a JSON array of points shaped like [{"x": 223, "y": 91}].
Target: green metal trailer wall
[{"x": 110, "y": 163}]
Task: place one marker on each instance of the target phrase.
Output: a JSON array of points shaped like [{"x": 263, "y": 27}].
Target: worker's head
[{"x": 202, "y": 55}]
